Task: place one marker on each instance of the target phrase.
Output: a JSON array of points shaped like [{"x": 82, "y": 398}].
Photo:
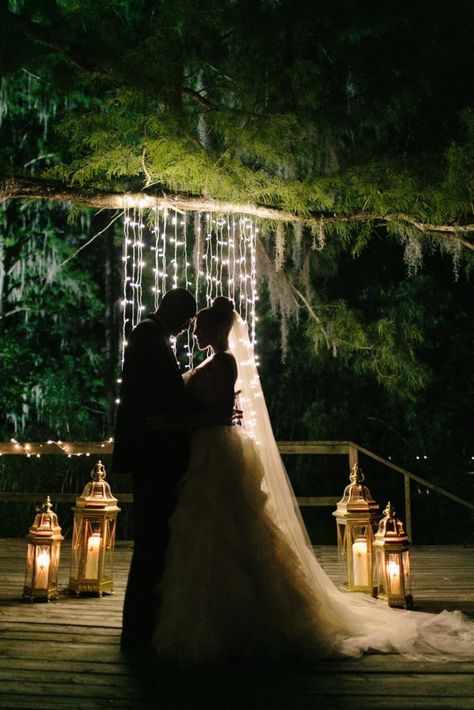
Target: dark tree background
[{"x": 354, "y": 114}]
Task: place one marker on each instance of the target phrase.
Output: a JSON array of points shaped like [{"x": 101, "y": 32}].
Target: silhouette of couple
[{"x": 222, "y": 567}]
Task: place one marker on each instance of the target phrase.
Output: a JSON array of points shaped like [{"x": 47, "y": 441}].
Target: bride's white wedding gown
[{"x": 241, "y": 579}]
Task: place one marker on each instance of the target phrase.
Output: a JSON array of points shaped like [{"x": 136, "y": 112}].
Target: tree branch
[
  {"x": 34, "y": 32},
  {"x": 38, "y": 189},
  {"x": 199, "y": 98}
]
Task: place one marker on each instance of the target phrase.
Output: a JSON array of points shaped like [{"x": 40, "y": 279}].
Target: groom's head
[{"x": 177, "y": 309}]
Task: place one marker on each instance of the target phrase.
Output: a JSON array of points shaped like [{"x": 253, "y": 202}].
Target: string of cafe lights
[{"x": 68, "y": 449}]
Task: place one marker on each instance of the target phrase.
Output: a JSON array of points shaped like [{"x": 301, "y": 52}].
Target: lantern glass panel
[
  {"x": 394, "y": 574},
  {"x": 360, "y": 562},
  {"x": 379, "y": 578},
  {"x": 406, "y": 571},
  {"x": 30, "y": 560},
  {"x": 42, "y": 565},
  {"x": 341, "y": 540}
]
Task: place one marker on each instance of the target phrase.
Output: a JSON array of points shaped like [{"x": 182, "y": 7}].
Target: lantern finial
[
  {"x": 45, "y": 507},
  {"x": 389, "y": 511},
  {"x": 356, "y": 475},
  {"x": 98, "y": 472}
]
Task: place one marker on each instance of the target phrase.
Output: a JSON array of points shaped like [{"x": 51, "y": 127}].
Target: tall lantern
[
  {"x": 42, "y": 558},
  {"x": 93, "y": 537},
  {"x": 356, "y": 516},
  {"x": 392, "y": 561}
]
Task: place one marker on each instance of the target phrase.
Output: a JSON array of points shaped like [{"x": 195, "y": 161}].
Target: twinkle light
[
  {"x": 156, "y": 257},
  {"x": 38, "y": 449},
  {"x": 23, "y": 447}
]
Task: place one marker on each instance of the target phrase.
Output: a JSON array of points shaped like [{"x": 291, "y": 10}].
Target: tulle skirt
[{"x": 232, "y": 586}]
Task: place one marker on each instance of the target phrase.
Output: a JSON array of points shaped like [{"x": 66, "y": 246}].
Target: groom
[{"x": 151, "y": 385}]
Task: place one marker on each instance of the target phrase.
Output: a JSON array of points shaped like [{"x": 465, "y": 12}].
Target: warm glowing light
[
  {"x": 92, "y": 559},
  {"x": 359, "y": 562},
  {"x": 42, "y": 570}
]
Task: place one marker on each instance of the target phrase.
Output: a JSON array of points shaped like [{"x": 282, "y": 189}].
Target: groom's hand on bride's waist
[{"x": 208, "y": 417}]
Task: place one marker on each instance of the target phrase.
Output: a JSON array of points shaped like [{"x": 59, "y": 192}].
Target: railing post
[
  {"x": 409, "y": 529},
  {"x": 353, "y": 456}
]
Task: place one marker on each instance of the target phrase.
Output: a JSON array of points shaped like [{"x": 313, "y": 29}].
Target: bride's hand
[{"x": 237, "y": 416}]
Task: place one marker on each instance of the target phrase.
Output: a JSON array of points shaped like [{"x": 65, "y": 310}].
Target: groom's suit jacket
[{"x": 151, "y": 384}]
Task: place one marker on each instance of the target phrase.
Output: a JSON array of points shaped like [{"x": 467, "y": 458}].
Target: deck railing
[{"x": 347, "y": 448}]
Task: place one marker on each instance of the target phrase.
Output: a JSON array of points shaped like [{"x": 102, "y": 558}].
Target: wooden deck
[{"x": 66, "y": 654}]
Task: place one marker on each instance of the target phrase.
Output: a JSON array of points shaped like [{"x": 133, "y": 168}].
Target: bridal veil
[{"x": 356, "y": 623}]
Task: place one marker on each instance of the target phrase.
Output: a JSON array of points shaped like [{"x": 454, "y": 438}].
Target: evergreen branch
[
  {"x": 36, "y": 188},
  {"x": 35, "y": 33}
]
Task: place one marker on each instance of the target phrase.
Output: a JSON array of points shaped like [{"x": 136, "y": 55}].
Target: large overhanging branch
[{"x": 38, "y": 189}]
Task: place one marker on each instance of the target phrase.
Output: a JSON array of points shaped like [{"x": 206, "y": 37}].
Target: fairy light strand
[
  {"x": 224, "y": 262},
  {"x": 156, "y": 268}
]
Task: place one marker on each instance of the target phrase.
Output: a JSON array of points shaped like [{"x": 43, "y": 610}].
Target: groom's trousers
[{"x": 154, "y": 503}]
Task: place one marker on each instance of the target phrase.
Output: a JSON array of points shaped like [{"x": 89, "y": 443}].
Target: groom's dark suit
[{"x": 151, "y": 384}]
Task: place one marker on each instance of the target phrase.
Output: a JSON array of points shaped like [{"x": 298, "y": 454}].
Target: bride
[{"x": 241, "y": 579}]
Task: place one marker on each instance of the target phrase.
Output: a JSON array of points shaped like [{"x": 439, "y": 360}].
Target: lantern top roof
[
  {"x": 97, "y": 493},
  {"x": 390, "y": 527},
  {"x": 357, "y": 499},
  {"x": 46, "y": 523}
]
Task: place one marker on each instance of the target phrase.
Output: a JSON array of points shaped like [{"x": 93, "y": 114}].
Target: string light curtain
[{"x": 158, "y": 244}]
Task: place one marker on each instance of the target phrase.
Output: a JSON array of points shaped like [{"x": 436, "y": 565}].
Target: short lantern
[
  {"x": 356, "y": 516},
  {"x": 392, "y": 561},
  {"x": 42, "y": 557},
  {"x": 93, "y": 536}
]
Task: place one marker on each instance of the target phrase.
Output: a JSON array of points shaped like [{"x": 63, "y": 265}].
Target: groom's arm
[{"x": 153, "y": 382}]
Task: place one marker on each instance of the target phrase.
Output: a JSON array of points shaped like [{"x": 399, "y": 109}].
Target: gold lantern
[
  {"x": 42, "y": 558},
  {"x": 93, "y": 537},
  {"x": 392, "y": 561},
  {"x": 356, "y": 516}
]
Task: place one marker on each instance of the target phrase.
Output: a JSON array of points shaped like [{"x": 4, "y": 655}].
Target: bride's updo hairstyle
[{"x": 219, "y": 316}]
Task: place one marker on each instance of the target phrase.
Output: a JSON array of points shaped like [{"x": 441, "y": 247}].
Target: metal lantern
[
  {"x": 42, "y": 558},
  {"x": 93, "y": 537},
  {"x": 356, "y": 516},
  {"x": 392, "y": 561}
]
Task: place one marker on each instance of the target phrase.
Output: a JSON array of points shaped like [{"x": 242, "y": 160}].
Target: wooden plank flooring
[{"x": 66, "y": 654}]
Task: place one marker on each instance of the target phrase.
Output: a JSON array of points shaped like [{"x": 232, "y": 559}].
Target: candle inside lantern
[
  {"x": 359, "y": 563},
  {"x": 92, "y": 559},
  {"x": 42, "y": 570},
  {"x": 394, "y": 576}
]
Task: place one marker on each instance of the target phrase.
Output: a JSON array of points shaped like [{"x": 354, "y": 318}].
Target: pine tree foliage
[{"x": 306, "y": 107}]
